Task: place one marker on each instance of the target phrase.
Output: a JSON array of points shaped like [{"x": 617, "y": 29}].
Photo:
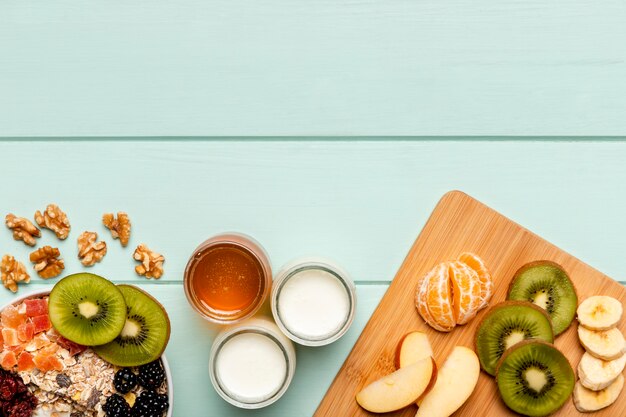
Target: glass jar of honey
[{"x": 228, "y": 278}]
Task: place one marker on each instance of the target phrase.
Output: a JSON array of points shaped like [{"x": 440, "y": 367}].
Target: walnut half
[
  {"x": 13, "y": 272},
  {"x": 55, "y": 219},
  {"x": 151, "y": 262},
  {"x": 22, "y": 229},
  {"x": 47, "y": 262},
  {"x": 120, "y": 227},
  {"x": 89, "y": 250}
]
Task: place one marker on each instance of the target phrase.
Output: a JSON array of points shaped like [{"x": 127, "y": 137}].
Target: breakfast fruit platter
[{"x": 484, "y": 318}]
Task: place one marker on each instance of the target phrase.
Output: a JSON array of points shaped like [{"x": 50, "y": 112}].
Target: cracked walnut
[
  {"x": 55, "y": 219},
  {"x": 22, "y": 229},
  {"x": 119, "y": 227},
  {"x": 13, "y": 272},
  {"x": 89, "y": 250},
  {"x": 151, "y": 262},
  {"x": 47, "y": 262}
]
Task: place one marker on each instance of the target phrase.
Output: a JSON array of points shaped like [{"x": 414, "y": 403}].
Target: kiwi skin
[
  {"x": 533, "y": 264},
  {"x": 535, "y": 342},
  {"x": 105, "y": 354},
  {"x": 504, "y": 304}
]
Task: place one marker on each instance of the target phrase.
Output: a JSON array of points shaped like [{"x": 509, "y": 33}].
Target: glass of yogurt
[
  {"x": 313, "y": 301},
  {"x": 252, "y": 363}
]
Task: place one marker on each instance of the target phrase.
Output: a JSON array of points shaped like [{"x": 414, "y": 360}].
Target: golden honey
[{"x": 227, "y": 278}]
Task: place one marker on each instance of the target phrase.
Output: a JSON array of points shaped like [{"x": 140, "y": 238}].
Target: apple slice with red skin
[
  {"x": 398, "y": 389},
  {"x": 456, "y": 382},
  {"x": 413, "y": 347}
]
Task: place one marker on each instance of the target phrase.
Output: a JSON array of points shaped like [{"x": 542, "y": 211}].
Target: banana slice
[
  {"x": 596, "y": 374},
  {"x": 599, "y": 312},
  {"x": 586, "y": 400},
  {"x": 607, "y": 344}
]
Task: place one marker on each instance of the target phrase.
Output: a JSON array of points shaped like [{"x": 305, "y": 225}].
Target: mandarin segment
[
  {"x": 439, "y": 298},
  {"x": 466, "y": 290},
  {"x": 486, "y": 281},
  {"x": 422, "y": 295}
]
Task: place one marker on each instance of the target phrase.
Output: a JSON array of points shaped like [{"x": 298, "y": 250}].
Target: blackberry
[
  {"x": 116, "y": 406},
  {"x": 152, "y": 375},
  {"x": 150, "y": 404},
  {"x": 124, "y": 380}
]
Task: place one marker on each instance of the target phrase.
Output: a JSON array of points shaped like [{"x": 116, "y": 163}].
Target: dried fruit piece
[
  {"x": 42, "y": 323},
  {"x": 55, "y": 219},
  {"x": 13, "y": 272},
  {"x": 9, "y": 336},
  {"x": 151, "y": 262},
  {"x": 26, "y": 331},
  {"x": 47, "y": 262},
  {"x": 89, "y": 250},
  {"x": 119, "y": 227},
  {"x": 36, "y": 307},
  {"x": 25, "y": 362},
  {"x": 11, "y": 317},
  {"x": 8, "y": 359},
  {"x": 22, "y": 229}
]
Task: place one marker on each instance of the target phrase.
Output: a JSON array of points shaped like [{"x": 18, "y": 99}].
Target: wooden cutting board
[{"x": 460, "y": 223}]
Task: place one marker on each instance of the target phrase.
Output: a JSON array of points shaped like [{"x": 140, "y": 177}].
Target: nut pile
[{"x": 47, "y": 261}]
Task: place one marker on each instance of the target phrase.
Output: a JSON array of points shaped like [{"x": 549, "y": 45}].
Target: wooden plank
[
  {"x": 315, "y": 67},
  {"x": 361, "y": 203},
  {"x": 460, "y": 223}
]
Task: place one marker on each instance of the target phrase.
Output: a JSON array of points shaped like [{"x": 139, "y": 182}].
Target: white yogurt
[
  {"x": 251, "y": 367},
  {"x": 252, "y": 363},
  {"x": 313, "y": 302}
]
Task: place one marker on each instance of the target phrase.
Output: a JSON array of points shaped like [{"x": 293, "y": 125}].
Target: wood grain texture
[
  {"x": 312, "y": 67},
  {"x": 460, "y": 223}
]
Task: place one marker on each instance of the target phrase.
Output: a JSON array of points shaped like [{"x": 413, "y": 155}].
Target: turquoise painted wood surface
[
  {"x": 360, "y": 202},
  {"x": 312, "y": 67}
]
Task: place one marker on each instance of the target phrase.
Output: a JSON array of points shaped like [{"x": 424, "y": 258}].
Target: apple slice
[
  {"x": 397, "y": 390},
  {"x": 413, "y": 347},
  {"x": 456, "y": 381}
]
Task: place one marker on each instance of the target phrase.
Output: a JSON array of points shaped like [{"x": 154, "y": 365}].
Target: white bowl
[{"x": 166, "y": 366}]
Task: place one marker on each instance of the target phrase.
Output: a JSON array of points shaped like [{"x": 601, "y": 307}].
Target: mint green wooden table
[{"x": 124, "y": 105}]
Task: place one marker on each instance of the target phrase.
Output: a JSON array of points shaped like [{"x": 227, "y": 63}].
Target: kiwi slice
[
  {"x": 87, "y": 309},
  {"x": 506, "y": 324},
  {"x": 547, "y": 285},
  {"x": 145, "y": 333},
  {"x": 534, "y": 378}
]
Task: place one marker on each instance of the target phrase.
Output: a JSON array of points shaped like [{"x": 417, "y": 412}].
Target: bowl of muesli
[{"x": 44, "y": 374}]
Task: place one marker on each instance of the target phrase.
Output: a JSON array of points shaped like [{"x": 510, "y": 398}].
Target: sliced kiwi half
[
  {"x": 506, "y": 324},
  {"x": 87, "y": 309},
  {"x": 144, "y": 335},
  {"x": 534, "y": 378},
  {"x": 547, "y": 285}
]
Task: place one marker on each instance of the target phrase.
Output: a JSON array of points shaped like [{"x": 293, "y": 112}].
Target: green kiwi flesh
[
  {"x": 87, "y": 309},
  {"x": 145, "y": 333},
  {"x": 548, "y": 286},
  {"x": 534, "y": 378},
  {"x": 506, "y": 324}
]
